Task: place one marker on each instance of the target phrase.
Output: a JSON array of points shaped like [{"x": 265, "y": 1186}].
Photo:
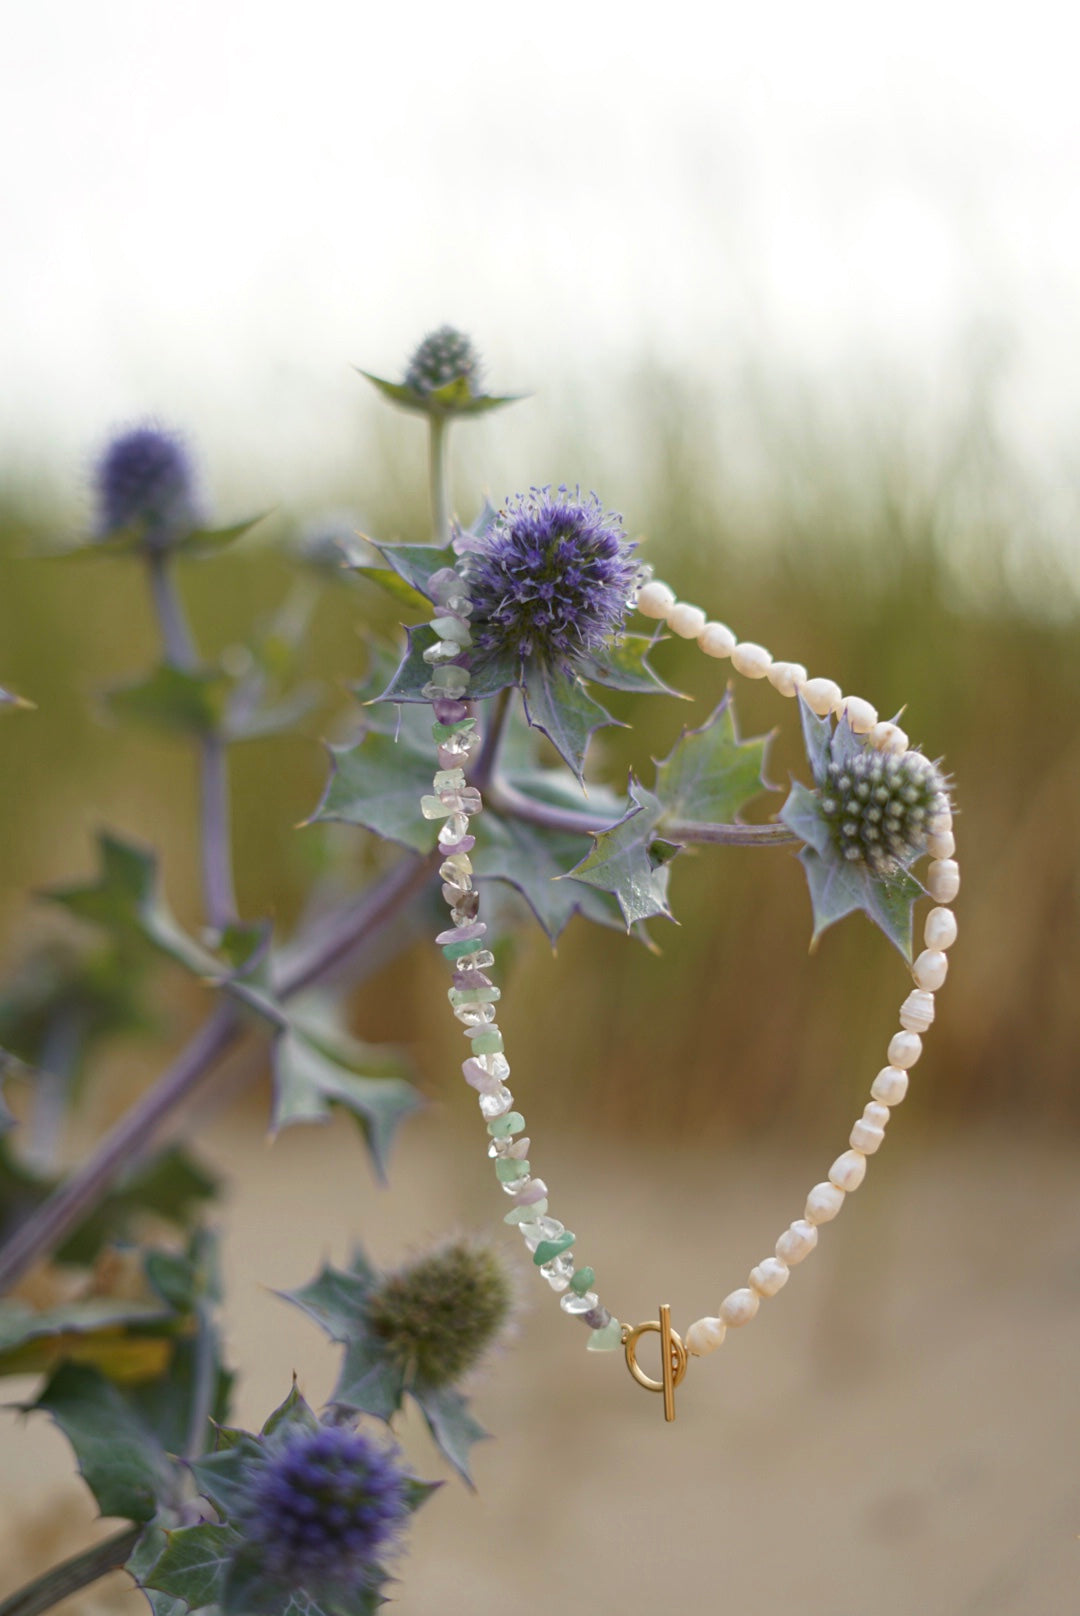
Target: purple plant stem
[
  {"x": 82, "y": 1569},
  {"x": 506, "y": 799},
  {"x": 47, "y": 1227},
  {"x": 180, "y": 652},
  {"x": 50, "y": 1224},
  {"x": 218, "y": 888}
]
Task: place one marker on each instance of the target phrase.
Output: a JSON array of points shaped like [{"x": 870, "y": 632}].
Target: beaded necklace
[{"x": 473, "y": 996}]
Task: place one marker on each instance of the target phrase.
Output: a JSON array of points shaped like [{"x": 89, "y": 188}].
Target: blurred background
[{"x": 796, "y": 292}]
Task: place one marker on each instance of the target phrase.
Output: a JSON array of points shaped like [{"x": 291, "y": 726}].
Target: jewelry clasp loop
[{"x": 673, "y": 1358}]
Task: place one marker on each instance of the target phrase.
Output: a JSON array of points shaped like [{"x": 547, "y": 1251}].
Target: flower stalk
[{"x": 80, "y": 1571}]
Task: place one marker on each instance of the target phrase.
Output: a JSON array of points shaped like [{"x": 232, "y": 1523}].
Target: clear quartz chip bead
[
  {"x": 558, "y": 1271},
  {"x": 494, "y": 1104},
  {"x": 542, "y": 1229},
  {"x": 573, "y": 1303},
  {"x": 442, "y": 651},
  {"x": 477, "y": 961},
  {"x": 475, "y": 1015},
  {"x": 455, "y": 827},
  {"x": 457, "y": 869},
  {"x": 496, "y": 1065}
]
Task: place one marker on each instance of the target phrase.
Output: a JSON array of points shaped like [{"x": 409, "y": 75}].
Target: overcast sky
[{"x": 210, "y": 210}]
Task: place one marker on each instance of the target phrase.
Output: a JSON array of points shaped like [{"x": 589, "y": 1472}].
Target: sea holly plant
[{"x": 110, "y": 1289}]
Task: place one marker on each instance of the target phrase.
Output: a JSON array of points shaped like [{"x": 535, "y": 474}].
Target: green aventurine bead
[
  {"x": 487, "y": 1041},
  {"x": 456, "y": 950},
  {"x": 581, "y": 1280},
  {"x": 507, "y": 1168},
  {"x": 548, "y": 1250},
  {"x": 443, "y": 732},
  {"x": 510, "y": 1122},
  {"x": 526, "y": 1214},
  {"x": 607, "y": 1339}
]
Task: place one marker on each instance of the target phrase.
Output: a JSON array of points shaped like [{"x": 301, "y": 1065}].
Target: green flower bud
[
  {"x": 444, "y": 356},
  {"x": 437, "y": 1316},
  {"x": 878, "y": 808}
]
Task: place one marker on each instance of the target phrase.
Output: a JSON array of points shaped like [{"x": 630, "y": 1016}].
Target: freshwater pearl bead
[
  {"x": 940, "y": 822},
  {"x": 860, "y": 715},
  {"x": 848, "y": 1171},
  {"x": 686, "y": 621},
  {"x": 941, "y": 844},
  {"x": 943, "y": 880},
  {"x": 876, "y": 1115},
  {"x": 786, "y": 677},
  {"x": 751, "y": 660},
  {"x": 930, "y": 969},
  {"x": 821, "y": 695},
  {"x": 890, "y": 1085},
  {"x": 904, "y": 1048},
  {"x": 889, "y": 738},
  {"x": 739, "y": 1307},
  {"x": 823, "y": 1203},
  {"x": 866, "y": 1137},
  {"x": 917, "y": 1011},
  {"x": 940, "y": 929},
  {"x": 655, "y": 599},
  {"x": 704, "y": 1336},
  {"x": 796, "y": 1242},
  {"x": 769, "y": 1276},
  {"x": 717, "y": 640}
]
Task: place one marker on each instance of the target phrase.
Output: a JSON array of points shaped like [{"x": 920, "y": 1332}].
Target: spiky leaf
[
  {"x": 624, "y": 665},
  {"x": 126, "y": 899},
  {"x": 377, "y": 784},
  {"x": 623, "y": 860},
  {"x": 559, "y": 705},
  {"x": 711, "y": 774},
  {"x": 313, "y": 1075},
  {"x": 452, "y": 1426},
  {"x": 186, "y": 703},
  {"x": 119, "y": 1457}
]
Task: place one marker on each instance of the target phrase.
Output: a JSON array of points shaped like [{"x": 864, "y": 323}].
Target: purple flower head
[
  {"x": 444, "y": 356},
  {"x": 145, "y": 481},
  {"x": 550, "y": 578},
  {"x": 323, "y": 1507}
]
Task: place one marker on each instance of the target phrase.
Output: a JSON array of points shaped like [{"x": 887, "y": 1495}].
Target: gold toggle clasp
[{"x": 673, "y": 1358}]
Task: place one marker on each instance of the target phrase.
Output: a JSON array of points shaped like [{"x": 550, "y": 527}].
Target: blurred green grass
[{"x": 911, "y": 568}]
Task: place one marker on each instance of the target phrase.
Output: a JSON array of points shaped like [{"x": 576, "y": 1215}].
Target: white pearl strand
[{"x": 942, "y": 881}]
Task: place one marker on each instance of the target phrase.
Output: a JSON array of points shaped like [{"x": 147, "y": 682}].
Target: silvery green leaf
[
  {"x": 711, "y": 774},
  {"x": 451, "y": 1424},
  {"x": 455, "y": 398},
  {"x": 194, "y": 1564},
  {"x": 839, "y": 886},
  {"x": 377, "y": 783},
  {"x": 126, "y": 898},
  {"x": 311, "y": 1077},
  {"x": 803, "y": 817},
  {"x": 623, "y": 861},
  {"x": 119, "y": 1458},
  {"x": 624, "y": 665},
  {"x": 530, "y": 858},
  {"x": 817, "y": 736},
  {"x": 559, "y": 705}
]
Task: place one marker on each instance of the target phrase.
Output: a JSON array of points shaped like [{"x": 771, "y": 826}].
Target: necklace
[{"x": 473, "y": 995}]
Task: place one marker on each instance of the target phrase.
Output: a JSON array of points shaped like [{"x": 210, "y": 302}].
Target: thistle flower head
[
  {"x": 437, "y": 1316},
  {"x": 550, "y": 578},
  {"x": 878, "y": 807},
  {"x": 145, "y": 480},
  {"x": 323, "y": 1506},
  {"x": 444, "y": 356}
]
